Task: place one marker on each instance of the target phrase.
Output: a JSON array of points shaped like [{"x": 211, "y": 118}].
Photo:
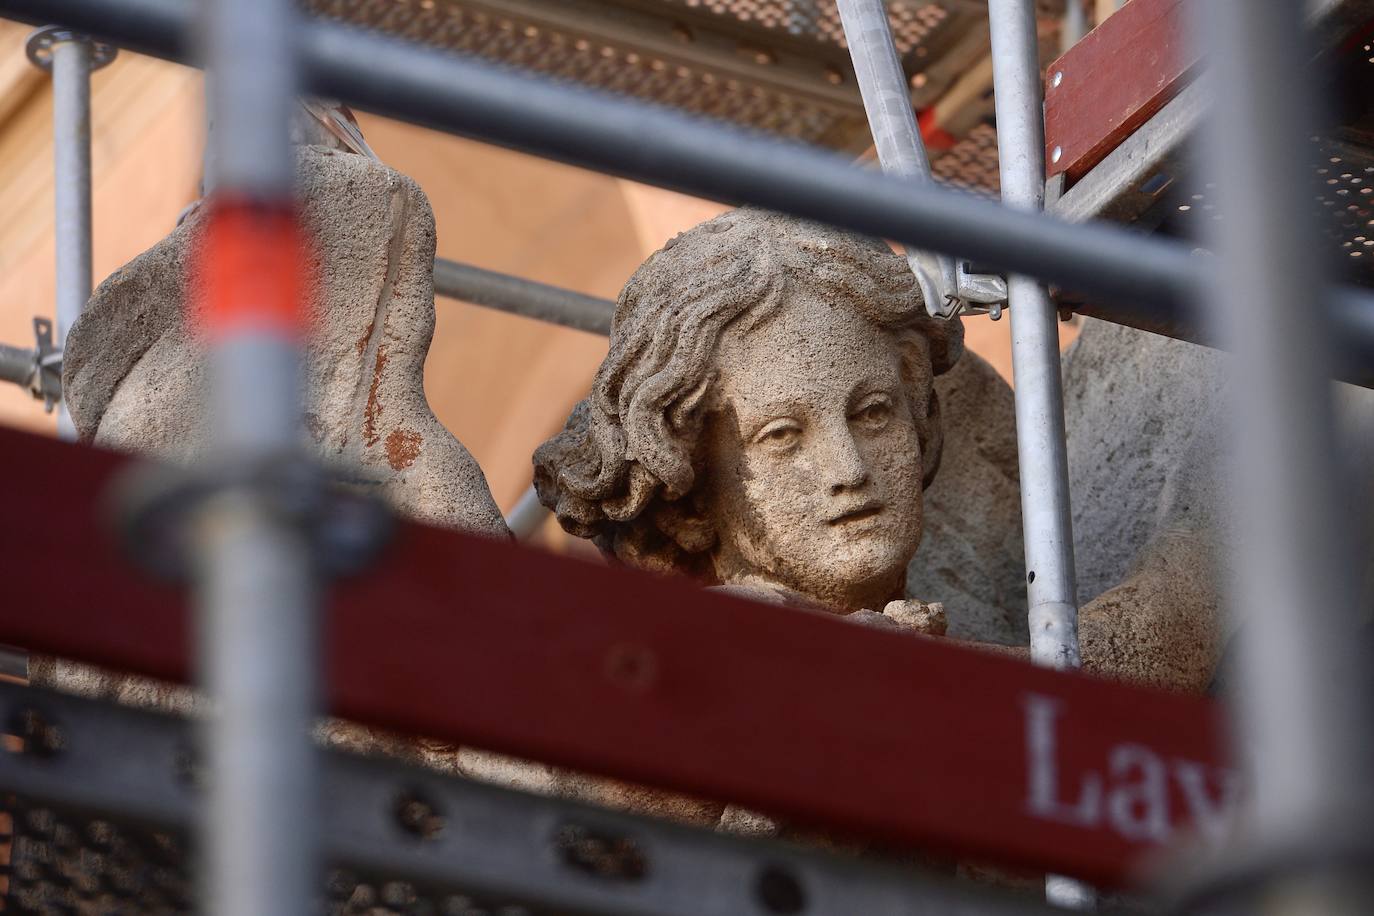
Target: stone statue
[
  {"x": 133, "y": 372},
  {"x": 766, "y": 418},
  {"x": 766, "y": 421}
]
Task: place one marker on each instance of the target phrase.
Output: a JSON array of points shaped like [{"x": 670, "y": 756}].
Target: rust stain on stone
[
  {"x": 374, "y": 404},
  {"x": 361, "y": 345},
  {"x": 402, "y": 448}
]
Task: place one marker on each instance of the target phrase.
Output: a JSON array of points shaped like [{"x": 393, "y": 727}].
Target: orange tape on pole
[
  {"x": 251, "y": 273},
  {"x": 934, "y": 134}
]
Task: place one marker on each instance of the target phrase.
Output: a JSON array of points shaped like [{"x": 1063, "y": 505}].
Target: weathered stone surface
[
  {"x": 972, "y": 557},
  {"x": 133, "y": 379},
  {"x": 728, "y": 431},
  {"x": 1163, "y": 625},
  {"x": 1144, "y": 426},
  {"x": 1143, "y": 415},
  {"x": 1147, "y": 431},
  {"x": 133, "y": 371},
  {"x": 765, "y": 418}
]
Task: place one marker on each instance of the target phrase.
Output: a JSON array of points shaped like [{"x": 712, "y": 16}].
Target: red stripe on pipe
[
  {"x": 251, "y": 272},
  {"x": 935, "y": 136}
]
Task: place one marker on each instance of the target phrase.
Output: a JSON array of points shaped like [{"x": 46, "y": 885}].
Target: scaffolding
[{"x": 258, "y": 528}]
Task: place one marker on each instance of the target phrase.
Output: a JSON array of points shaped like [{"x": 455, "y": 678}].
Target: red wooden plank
[
  {"x": 650, "y": 679},
  {"x": 1113, "y": 81}
]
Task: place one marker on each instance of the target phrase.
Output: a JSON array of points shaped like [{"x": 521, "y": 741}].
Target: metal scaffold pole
[
  {"x": 256, "y": 586},
  {"x": 70, "y": 57},
  {"x": 1303, "y": 698},
  {"x": 887, "y": 102},
  {"x": 945, "y": 285},
  {"x": 1035, "y": 348},
  {"x": 1042, "y": 450},
  {"x": 1074, "y": 26}
]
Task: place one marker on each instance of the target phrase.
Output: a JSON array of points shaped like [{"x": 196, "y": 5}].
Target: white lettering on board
[
  {"x": 1043, "y": 770},
  {"x": 1138, "y": 804},
  {"x": 1130, "y": 796}
]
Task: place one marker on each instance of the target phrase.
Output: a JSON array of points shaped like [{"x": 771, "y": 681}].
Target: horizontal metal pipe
[
  {"x": 660, "y": 146},
  {"x": 522, "y": 297},
  {"x": 1138, "y": 281},
  {"x": 526, "y": 515},
  {"x": 17, "y": 364},
  {"x": 901, "y": 151}
]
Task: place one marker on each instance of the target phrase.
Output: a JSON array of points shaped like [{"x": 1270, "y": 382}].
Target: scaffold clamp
[
  {"x": 46, "y": 381},
  {"x": 343, "y": 512},
  {"x": 40, "y": 43}
]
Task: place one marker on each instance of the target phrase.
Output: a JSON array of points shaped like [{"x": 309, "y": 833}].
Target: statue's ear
[
  {"x": 686, "y": 524},
  {"x": 685, "y": 415}
]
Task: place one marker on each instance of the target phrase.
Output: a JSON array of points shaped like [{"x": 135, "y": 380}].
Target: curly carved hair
[{"x": 623, "y": 469}]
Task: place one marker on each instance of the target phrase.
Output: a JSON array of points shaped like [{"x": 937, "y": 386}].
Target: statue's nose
[{"x": 845, "y": 466}]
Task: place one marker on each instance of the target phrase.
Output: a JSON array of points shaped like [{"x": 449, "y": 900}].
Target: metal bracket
[
  {"x": 981, "y": 293},
  {"x": 343, "y": 512},
  {"x": 46, "y": 382},
  {"x": 40, "y": 44},
  {"x": 38, "y": 371}
]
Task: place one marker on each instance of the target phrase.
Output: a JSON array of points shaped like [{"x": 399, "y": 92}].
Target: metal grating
[
  {"x": 971, "y": 164},
  {"x": 618, "y": 63},
  {"x": 68, "y": 863},
  {"x": 912, "y": 20},
  {"x": 102, "y": 797},
  {"x": 1347, "y": 199},
  {"x": 1343, "y": 194},
  {"x": 778, "y": 66},
  {"x": 65, "y": 861}
]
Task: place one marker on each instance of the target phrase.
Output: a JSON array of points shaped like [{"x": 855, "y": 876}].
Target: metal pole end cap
[{"x": 41, "y": 41}]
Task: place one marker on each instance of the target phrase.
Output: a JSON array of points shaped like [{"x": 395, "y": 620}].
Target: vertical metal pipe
[
  {"x": 1035, "y": 347},
  {"x": 1303, "y": 698},
  {"x": 71, "y": 115},
  {"x": 1042, "y": 452},
  {"x": 256, "y": 585},
  {"x": 1075, "y": 24},
  {"x": 252, "y": 79},
  {"x": 257, "y": 639},
  {"x": 887, "y": 102}
]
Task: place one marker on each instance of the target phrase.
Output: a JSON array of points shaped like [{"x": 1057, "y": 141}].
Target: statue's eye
[
  {"x": 874, "y": 414},
  {"x": 780, "y": 434}
]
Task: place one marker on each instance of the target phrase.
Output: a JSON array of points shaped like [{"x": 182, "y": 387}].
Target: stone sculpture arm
[{"x": 1161, "y": 627}]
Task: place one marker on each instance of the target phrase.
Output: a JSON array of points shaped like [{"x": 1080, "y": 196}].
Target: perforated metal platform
[
  {"x": 102, "y": 797},
  {"x": 1147, "y": 182},
  {"x": 775, "y": 65}
]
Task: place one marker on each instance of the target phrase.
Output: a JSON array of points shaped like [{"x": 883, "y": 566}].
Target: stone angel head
[{"x": 765, "y": 418}]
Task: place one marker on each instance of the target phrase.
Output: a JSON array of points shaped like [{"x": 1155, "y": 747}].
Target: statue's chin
[
  {"x": 863, "y": 574},
  {"x": 840, "y": 567}
]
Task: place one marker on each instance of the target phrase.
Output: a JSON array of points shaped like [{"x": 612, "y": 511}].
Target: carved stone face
[{"x": 813, "y": 461}]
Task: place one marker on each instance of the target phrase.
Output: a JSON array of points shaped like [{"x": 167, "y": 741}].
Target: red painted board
[
  {"x": 798, "y": 713},
  {"x": 1113, "y": 81}
]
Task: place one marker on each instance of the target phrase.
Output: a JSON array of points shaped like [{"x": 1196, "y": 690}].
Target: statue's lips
[{"x": 858, "y": 513}]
